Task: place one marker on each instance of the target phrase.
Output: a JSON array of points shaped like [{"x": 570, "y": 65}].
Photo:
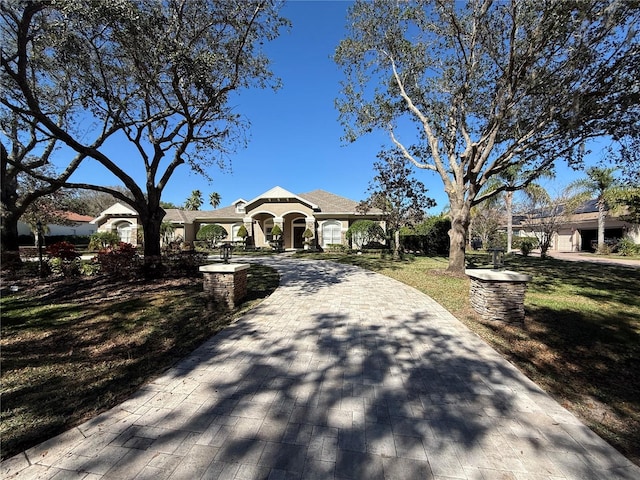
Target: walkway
[
  {"x": 592, "y": 257},
  {"x": 340, "y": 374}
]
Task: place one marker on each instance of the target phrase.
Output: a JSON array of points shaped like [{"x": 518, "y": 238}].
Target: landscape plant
[
  {"x": 363, "y": 232},
  {"x": 243, "y": 234},
  {"x": 102, "y": 240},
  {"x": 308, "y": 236},
  {"x": 63, "y": 259},
  {"x": 396, "y": 193},
  {"x": 211, "y": 234},
  {"x": 120, "y": 260}
]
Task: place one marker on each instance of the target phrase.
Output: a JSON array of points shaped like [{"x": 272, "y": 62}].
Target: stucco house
[
  {"x": 580, "y": 230},
  {"x": 327, "y": 215},
  {"x": 76, "y": 225}
]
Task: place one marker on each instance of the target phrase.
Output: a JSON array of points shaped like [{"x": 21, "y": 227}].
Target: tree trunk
[
  {"x": 396, "y": 244},
  {"x": 9, "y": 242},
  {"x": 602, "y": 215},
  {"x": 151, "y": 219},
  {"x": 460, "y": 218},
  {"x": 509, "y": 207}
]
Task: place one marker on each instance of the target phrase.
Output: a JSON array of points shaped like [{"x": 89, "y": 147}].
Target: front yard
[{"x": 72, "y": 349}]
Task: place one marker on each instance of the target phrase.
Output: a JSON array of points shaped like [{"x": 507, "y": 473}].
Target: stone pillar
[
  {"x": 498, "y": 294},
  {"x": 225, "y": 283}
]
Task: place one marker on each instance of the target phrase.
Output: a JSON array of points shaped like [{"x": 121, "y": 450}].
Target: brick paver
[{"x": 340, "y": 374}]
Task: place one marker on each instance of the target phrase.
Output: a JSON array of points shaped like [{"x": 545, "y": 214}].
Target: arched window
[
  {"x": 124, "y": 232},
  {"x": 331, "y": 233}
]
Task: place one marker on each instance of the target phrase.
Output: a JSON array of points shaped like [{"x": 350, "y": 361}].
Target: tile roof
[{"x": 332, "y": 203}]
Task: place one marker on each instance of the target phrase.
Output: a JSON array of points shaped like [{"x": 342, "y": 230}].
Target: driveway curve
[{"x": 340, "y": 374}]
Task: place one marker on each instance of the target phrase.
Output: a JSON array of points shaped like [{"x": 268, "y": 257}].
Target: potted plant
[{"x": 308, "y": 238}]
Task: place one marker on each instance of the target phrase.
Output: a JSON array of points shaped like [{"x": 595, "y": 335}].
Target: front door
[{"x": 298, "y": 240}]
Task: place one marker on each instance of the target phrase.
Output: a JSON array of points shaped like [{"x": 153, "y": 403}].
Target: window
[
  {"x": 124, "y": 232},
  {"x": 240, "y": 207},
  {"x": 331, "y": 232}
]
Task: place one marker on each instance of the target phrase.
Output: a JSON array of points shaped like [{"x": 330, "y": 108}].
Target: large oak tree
[
  {"x": 158, "y": 74},
  {"x": 489, "y": 85}
]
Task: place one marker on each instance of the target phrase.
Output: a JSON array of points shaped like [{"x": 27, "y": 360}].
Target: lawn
[
  {"x": 580, "y": 340},
  {"x": 72, "y": 349}
]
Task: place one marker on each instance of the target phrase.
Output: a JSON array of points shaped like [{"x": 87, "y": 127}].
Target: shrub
[
  {"x": 89, "y": 269},
  {"x": 363, "y": 232},
  {"x": 63, "y": 251},
  {"x": 120, "y": 260},
  {"x": 211, "y": 234},
  {"x": 276, "y": 231},
  {"x": 430, "y": 237},
  {"x": 102, "y": 240},
  {"x": 336, "y": 248},
  {"x": 627, "y": 248},
  {"x": 184, "y": 263},
  {"x": 63, "y": 259},
  {"x": 527, "y": 245},
  {"x": 242, "y": 232}
]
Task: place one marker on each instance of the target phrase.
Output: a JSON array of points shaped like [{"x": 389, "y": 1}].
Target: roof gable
[
  {"x": 279, "y": 194},
  {"x": 115, "y": 210}
]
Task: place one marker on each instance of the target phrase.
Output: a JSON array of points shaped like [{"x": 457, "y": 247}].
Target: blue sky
[{"x": 295, "y": 136}]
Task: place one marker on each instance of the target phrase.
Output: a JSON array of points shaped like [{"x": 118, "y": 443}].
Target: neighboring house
[
  {"x": 327, "y": 215},
  {"x": 120, "y": 219},
  {"x": 79, "y": 225},
  {"x": 580, "y": 231}
]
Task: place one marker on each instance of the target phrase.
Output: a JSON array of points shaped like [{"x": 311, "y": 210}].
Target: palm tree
[
  {"x": 194, "y": 202},
  {"x": 602, "y": 183},
  {"x": 214, "y": 199},
  {"x": 511, "y": 180}
]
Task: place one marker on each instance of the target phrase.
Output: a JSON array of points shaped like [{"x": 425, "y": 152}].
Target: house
[
  {"x": 579, "y": 231},
  {"x": 75, "y": 225},
  {"x": 327, "y": 215},
  {"x": 121, "y": 219}
]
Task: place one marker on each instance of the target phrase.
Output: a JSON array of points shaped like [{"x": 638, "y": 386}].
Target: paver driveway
[{"x": 340, "y": 374}]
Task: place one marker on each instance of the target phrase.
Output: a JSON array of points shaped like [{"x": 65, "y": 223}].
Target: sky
[{"x": 295, "y": 135}]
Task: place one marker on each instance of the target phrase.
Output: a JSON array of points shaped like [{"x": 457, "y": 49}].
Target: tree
[
  {"x": 166, "y": 205},
  {"x": 401, "y": 197},
  {"x": 486, "y": 220},
  {"x": 156, "y": 74},
  {"x": 25, "y": 149},
  {"x": 602, "y": 184},
  {"x": 488, "y": 85},
  {"x": 211, "y": 234},
  {"x": 91, "y": 202},
  {"x": 543, "y": 215},
  {"x": 167, "y": 230},
  {"x": 214, "y": 199},
  {"x": 363, "y": 232},
  {"x": 194, "y": 202}
]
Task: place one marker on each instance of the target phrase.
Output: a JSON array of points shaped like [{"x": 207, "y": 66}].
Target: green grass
[
  {"x": 580, "y": 340},
  {"x": 65, "y": 360}
]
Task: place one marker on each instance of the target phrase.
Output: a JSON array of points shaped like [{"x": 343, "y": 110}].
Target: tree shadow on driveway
[{"x": 324, "y": 380}]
